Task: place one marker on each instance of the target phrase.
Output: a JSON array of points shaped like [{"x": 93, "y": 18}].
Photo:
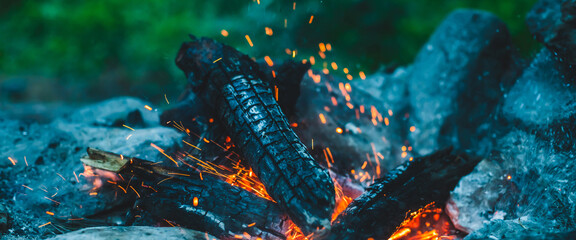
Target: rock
[
  {"x": 457, "y": 80},
  {"x": 41, "y": 172},
  {"x": 528, "y": 178},
  {"x": 115, "y": 112},
  {"x": 352, "y": 123},
  {"x": 517, "y": 229},
  {"x": 543, "y": 19},
  {"x": 553, "y": 23},
  {"x": 541, "y": 101},
  {"x": 4, "y": 219},
  {"x": 135, "y": 232}
]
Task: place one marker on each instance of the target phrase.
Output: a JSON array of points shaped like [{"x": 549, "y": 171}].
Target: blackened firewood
[
  {"x": 381, "y": 209},
  {"x": 228, "y": 82},
  {"x": 285, "y": 80},
  {"x": 203, "y": 203}
]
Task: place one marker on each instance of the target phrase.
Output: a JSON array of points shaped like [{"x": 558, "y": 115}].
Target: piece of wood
[
  {"x": 228, "y": 82},
  {"x": 382, "y": 208},
  {"x": 204, "y": 203}
]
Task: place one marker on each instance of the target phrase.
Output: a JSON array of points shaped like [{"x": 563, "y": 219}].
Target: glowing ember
[{"x": 427, "y": 223}]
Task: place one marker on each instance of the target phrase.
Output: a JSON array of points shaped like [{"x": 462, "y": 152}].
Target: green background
[{"x": 54, "y": 50}]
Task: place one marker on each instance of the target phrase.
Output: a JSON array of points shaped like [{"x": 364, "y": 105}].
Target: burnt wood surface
[
  {"x": 204, "y": 203},
  {"x": 379, "y": 211},
  {"x": 229, "y": 84}
]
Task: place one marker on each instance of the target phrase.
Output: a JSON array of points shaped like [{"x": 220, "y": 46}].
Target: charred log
[
  {"x": 409, "y": 187},
  {"x": 229, "y": 84},
  {"x": 200, "y": 202}
]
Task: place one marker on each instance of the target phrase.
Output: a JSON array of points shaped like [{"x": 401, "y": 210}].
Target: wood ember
[
  {"x": 201, "y": 202},
  {"x": 228, "y": 82},
  {"x": 411, "y": 186}
]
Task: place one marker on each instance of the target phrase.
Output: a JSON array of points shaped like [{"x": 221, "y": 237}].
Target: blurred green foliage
[{"x": 90, "y": 50}]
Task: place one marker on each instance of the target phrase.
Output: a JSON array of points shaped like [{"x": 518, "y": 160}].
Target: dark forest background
[{"x": 82, "y": 51}]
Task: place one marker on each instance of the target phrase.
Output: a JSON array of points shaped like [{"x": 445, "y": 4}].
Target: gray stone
[
  {"x": 136, "y": 232},
  {"x": 528, "y": 178},
  {"x": 553, "y": 23},
  {"x": 518, "y": 229},
  {"x": 457, "y": 80}
]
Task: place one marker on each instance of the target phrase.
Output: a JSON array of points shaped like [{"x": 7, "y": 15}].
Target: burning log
[
  {"x": 409, "y": 187},
  {"x": 200, "y": 202},
  {"x": 230, "y": 86}
]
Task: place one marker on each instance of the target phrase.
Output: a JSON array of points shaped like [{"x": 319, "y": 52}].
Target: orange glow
[
  {"x": 328, "y": 47},
  {"x": 311, "y": 18},
  {"x": 345, "y": 70},
  {"x": 312, "y": 60},
  {"x": 322, "y": 47},
  {"x": 412, "y": 129},
  {"x": 148, "y": 107},
  {"x": 349, "y": 77},
  {"x": 339, "y": 130},
  {"x": 325, "y": 71},
  {"x": 334, "y": 66},
  {"x": 362, "y": 75},
  {"x": 224, "y": 33},
  {"x": 322, "y": 118},
  {"x": 195, "y": 201},
  {"x": 427, "y": 223},
  {"x": 249, "y": 41},
  {"x": 12, "y": 160},
  {"x": 50, "y": 213},
  {"x": 269, "y": 31},
  {"x": 321, "y": 54},
  {"x": 334, "y": 101}
]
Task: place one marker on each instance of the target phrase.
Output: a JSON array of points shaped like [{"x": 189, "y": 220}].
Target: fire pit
[{"x": 468, "y": 142}]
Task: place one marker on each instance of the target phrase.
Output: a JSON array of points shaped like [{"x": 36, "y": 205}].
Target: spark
[
  {"x": 215, "y": 61},
  {"x": 330, "y": 154},
  {"x": 163, "y": 153},
  {"x": 412, "y": 129},
  {"x": 128, "y": 137},
  {"x": 76, "y": 176},
  {"x": 334, "y": 101},
  {"x": 285, "y": 23},
  {"x": 349, "y": 77},
  {"x": 322, "y": 55},
  {"x": 27, "y": 187},
  {"x": 148, "y": 107},
  {"x": 269, "y": 31},
  {"x": 509, "y": 177},
  {"x": 311, "y": 18},
  {"x": 224, "y": 33},
  {"x": 345, "y": 70},
  {"x": 251, "y": 224},
  {"x": 404, "y": 154},
  {"x": 54, "y": 201},
  {"x": 166, "y": 99},
  {"x": 124, "y": 125},
  {"x": 268, "y": 61},
  {"x": 164, "y": 180},
  {"x": 322, "y": 118},
  {"x": 294, "y": 6},
  {"x": 249, "y": 40},
  {"x": 312, "y": 143},
  {"x": 135, "y": 191},
  {"x": 50, "y": 213},
  {"x": 312, "y": 60},
  {"x": 192, "y": 145},
  {"x": 401, "y": 233},
  {"x": 12, "y": 160},
  {"x": 350, "y": 105},
  {"x": 325, "y": 71},
  {"x": 364, "y": 164},
  {"x": 61, "y": 176},
  {"x": 26, "y": 161},
  {"x": 48, "y": 223},
  {"x": 362, "y": 75},
  {"x": 294, "y": 54},
  {"x": 334, "y": 66},
  {"x": 322, "y": 47},
  {"x": 276, "y": 93},
  {"x": 339, "y": 130},
  {"x": 386, "y": 121},
  {"x": 294, "y": 125},
  {"x": 258, "y": 1},
  {"x": 93, "y": 193},
  {"x": 328, "y": 47},
  {"x": 195, "y": 201},
  {"x": 327, "y": 160}
]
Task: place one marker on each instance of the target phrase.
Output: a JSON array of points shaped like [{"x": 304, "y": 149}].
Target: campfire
[{"x": 273, "y": 149}]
